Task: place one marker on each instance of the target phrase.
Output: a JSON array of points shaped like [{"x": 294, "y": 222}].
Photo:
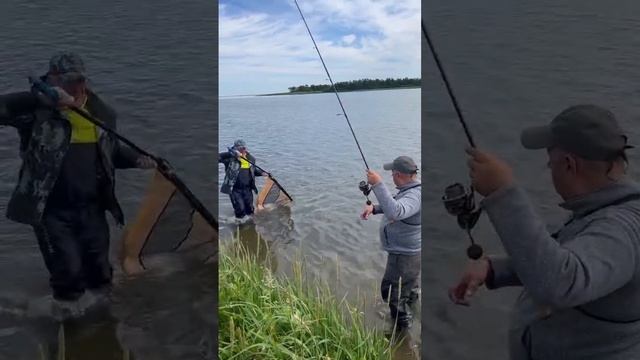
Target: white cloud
[
  {"x": 349, "y": 39},
  {"x": 266, "y": 53}
]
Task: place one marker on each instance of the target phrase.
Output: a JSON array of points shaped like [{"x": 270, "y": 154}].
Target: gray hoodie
[
  {"x": 400, "y": 230},
  {"x": 581, "y": 288}
]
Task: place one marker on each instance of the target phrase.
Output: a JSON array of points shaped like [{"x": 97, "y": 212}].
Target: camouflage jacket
[
  {"x": 45, "y": 135},
  {"x": 232, "y": 169}
]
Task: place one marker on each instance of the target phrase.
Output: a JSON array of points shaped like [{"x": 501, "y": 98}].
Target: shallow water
[
  {"x": 512, "y": 65},
  {"x": 154, "y": 63},
  {"x": 309, "y": 149}
]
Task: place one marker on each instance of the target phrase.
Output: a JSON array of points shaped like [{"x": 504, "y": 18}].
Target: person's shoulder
[
  {"x": 622, "y": 218},
  {"x": 97, "y": 103},
  {"x": 415, "y": 189}
]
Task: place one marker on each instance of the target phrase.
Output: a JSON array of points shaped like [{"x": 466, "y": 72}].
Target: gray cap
[
  {"x": 403, "y": 164},
  {"x": 239, "y": 143},
  {"x": 67, "y": 64},
  {"x": 588, "y": 131}
]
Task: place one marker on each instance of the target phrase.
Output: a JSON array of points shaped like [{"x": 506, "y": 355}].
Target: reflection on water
[
  {"x": 275, "y": 224},
  {"x": 154, "y": 316},
  {"x": 91, "y": 337},
  {"x": 160, "y": 318},
  {"x": 268, "y": 229},
  {"x": 257, "y": 246}
]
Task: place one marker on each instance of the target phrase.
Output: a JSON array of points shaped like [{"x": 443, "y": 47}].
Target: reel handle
[
  {"x": 474, "y": 252},
  {"x": 460, "y": 202}
]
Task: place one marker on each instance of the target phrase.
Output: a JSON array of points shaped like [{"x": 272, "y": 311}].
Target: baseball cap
[
  {"x": 588, "y": 131},
  {"x": 69, "y": 65},
  {"x": 240, "y": 144},
  {"x": 403, "y": 164}
]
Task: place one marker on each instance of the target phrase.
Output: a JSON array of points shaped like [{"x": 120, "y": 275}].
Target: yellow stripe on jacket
[
  {"x": 244, "y": 164},
  {"x": 83, "y": 131}
]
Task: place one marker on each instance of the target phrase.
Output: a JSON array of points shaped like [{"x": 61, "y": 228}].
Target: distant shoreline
[{"x": 339, "y": 91}]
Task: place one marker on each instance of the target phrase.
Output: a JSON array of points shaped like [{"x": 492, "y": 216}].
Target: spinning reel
[
  {"x": 460, "y": 202},
  {"x": 366, "y": 190}
]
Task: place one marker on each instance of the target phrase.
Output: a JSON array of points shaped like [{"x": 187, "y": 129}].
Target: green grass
[{"x": 265, "y": 317}]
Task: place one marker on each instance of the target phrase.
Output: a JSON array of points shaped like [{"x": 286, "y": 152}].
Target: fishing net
[
  {"x": 170, "y": 219},
  {"x": 272, "y": 193}
]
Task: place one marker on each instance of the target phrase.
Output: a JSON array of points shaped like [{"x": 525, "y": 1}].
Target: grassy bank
[{"x": 264, "y": 317}]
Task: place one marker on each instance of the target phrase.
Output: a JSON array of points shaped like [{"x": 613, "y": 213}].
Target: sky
[{"x": 265, "y": 48}]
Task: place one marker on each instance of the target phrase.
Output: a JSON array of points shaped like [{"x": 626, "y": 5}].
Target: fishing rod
[
  {"x": 452, "y": 96},
  {"x": 364, "y": 188},
  {"x": 458, "y": 200},
  {"x": 163, "y": 164},
  {"x": 263, "y": 170}
]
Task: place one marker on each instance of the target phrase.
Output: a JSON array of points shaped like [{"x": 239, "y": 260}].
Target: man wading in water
[
  {"x": 400, "y": 235},
  {"x": 67, "y": 181},
  {"x": 240, "y": 179},
  {"x": 581, "y": 285}
]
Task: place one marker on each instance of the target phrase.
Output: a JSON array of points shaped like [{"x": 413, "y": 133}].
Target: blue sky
[{"x": 265, "y": 48}]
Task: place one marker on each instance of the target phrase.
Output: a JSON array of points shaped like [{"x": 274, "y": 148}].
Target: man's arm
[
  {"x": 402, "y": 208},
  {"x": 598, "y": 261},
  {"x": 224, "y": 157},
  {"x": 14, "y": 105}
]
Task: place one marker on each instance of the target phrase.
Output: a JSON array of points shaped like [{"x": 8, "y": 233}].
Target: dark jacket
[
  {"x": 232, "y": 169},
  {"x": 45, "y": 136}
]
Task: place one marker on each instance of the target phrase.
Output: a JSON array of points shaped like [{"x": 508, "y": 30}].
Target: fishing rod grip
[{"x": 45, "y": 89}]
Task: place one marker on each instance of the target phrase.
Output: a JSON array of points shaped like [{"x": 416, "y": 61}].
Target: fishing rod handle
[{"x": 44, "y": 89}]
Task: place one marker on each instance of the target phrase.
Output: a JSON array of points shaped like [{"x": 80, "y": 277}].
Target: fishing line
[
  {"x": 332, "y": 85},
  {"x": 459, "y": 201}
]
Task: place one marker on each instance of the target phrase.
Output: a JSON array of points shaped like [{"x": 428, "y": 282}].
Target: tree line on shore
[{"x": 361, "y": 84}]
